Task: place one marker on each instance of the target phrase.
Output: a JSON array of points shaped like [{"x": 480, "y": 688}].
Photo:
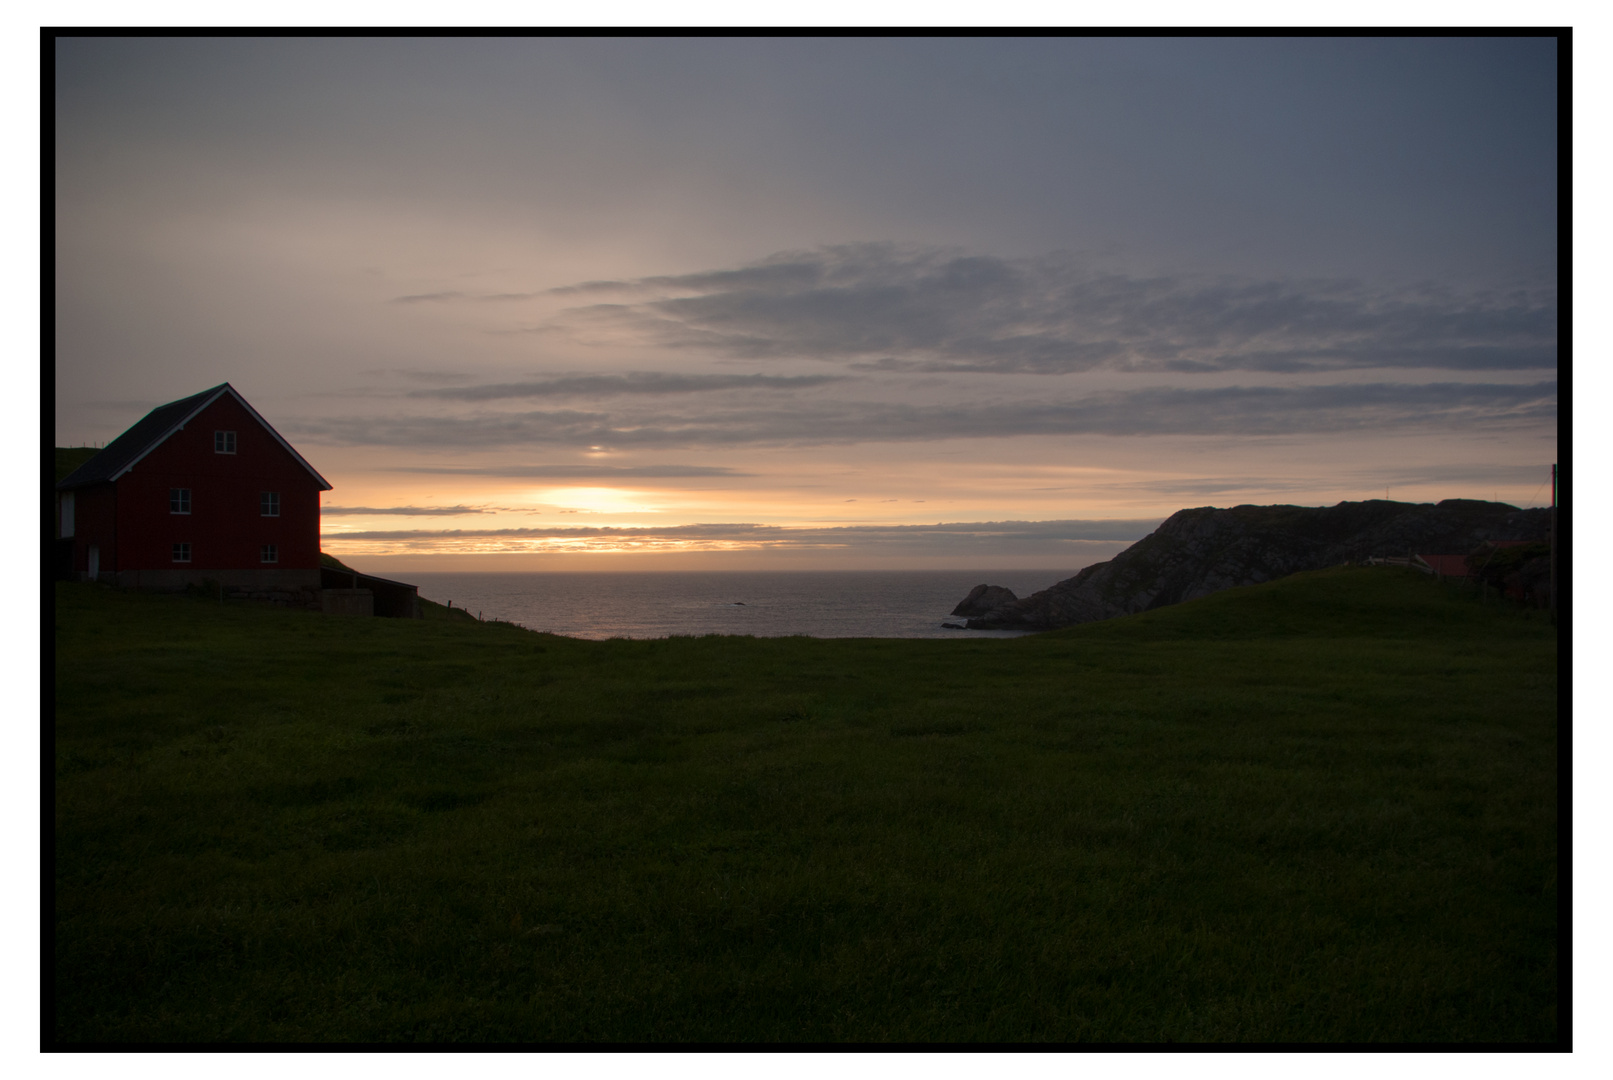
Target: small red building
[
  {"x": 1444, "y": 566},
  {"x": 201, "y": 489}
]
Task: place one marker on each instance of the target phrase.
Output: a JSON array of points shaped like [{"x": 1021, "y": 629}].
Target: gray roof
[{"x": 121, "y": 454}]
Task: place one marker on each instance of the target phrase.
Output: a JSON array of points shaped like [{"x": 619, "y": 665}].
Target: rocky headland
[
  {"x": 983, "y": 599},
  {"x": 1197, "y": 552}
]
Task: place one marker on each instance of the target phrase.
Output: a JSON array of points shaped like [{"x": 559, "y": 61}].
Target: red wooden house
[{"x": 201, "y": 489}]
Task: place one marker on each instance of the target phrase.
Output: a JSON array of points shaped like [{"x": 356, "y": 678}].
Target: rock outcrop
[
  {"x": 1197, "y": 552},
  {"x": 983, "y": 599}
]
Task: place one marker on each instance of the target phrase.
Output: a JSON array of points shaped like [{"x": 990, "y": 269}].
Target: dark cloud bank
[
  {"x": 895, "y": 311},
  {"x": 890, "y": 308},
  {"x": 635, "y": 382},
  {"x": 1238, "y": 410}
]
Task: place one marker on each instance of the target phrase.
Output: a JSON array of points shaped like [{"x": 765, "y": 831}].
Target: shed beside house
[{"x": 382, "y": 596}]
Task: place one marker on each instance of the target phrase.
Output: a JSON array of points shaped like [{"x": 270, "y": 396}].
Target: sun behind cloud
[
  {"x": 820, "y": 283},
  {"x": 599, "y": 500}
]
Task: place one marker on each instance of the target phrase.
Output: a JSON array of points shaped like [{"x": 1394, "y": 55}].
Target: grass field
[{"x": 1319, "y": 809}]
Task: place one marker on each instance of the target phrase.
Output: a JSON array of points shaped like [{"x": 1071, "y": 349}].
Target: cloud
[
  {"x": 636, "y": 382},
  {"x": 428, "y": 298},
  {"x": 136, "y": 406},
  {"x": 1198, "y": 487},
  {"x": 1074, "y": 538},
  {"x": 586, "y": 287},
  {"x": 422, "y": 376},
  {"x": 427, "y": 511},
  {"x": 1467, "y": 473},
  {"x": 898, "y": 309},
  {"x": 1234, "y": 410},
  {"x": 574, "y": 472}
]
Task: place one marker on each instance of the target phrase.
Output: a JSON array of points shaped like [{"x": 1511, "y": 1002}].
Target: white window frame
[
  {"x": 180, "y": 496},
  {"x": 269, "y": 504},
  {"x": 223, "y": 442},
  {"x": 269, "y": 553},
  {"x": 182, "y": 551}
]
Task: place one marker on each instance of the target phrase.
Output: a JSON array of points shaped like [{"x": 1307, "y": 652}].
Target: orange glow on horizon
[{"x": 599, "y": 500}]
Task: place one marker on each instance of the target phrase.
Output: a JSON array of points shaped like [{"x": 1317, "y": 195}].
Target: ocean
[{"x": 827, "y": 603}]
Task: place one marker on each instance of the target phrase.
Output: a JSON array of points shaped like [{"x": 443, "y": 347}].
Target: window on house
[
  {"x": 269, "y": 553},
  {"x": 223, "y": 442},
  {"x": 269, "y": 504},
  {"x": 182, "y": 552},
  {"x": 179, "y": 500}
]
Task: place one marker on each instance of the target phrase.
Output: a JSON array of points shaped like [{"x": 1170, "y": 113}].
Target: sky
[{"x": 854, "y": 303}]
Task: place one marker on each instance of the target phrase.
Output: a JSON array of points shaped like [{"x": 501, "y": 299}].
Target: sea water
[{"x": 598, "y": 605}]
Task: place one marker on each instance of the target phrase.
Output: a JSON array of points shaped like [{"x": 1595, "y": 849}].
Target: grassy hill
[
  {"x": 69, "y": 458},
  {"x": 1319, "y": 809}
]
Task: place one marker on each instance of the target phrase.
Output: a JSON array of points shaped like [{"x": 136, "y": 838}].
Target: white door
[{"x": 95, "y": 562}]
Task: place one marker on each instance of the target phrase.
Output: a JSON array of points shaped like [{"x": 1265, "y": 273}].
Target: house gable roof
[{"x": 124, "y": 452}]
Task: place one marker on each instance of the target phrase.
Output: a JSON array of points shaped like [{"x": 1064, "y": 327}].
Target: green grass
[
  {"x": 1319, "y": 809},
  {"x": 69, "y": 458}
]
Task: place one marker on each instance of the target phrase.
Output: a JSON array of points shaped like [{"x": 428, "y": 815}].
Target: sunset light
[
  {"x": 779, "y": 539},
  {"x": 602, "y": 326},
  {"x": 598, "y": 500}
]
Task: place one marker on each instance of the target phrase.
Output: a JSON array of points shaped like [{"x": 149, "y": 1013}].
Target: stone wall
[
  {"x": 249, "y": 581},
  {"x": 347, "y": 601},
  {"x": 298, "y": 589},
  {"x": 305, "y": 599}
]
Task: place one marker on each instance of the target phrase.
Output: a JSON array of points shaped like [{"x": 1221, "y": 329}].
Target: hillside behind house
[{"x": 69, "y": 458}]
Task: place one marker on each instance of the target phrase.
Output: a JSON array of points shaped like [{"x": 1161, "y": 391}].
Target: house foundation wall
[{"x": 250, "y": 580}]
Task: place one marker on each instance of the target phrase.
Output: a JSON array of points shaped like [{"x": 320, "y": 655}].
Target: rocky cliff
[
  {"x": 983, "y": 599},
  {"x": 1197, "y": 552}
]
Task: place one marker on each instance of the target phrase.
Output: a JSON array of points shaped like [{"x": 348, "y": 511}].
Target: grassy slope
[
  {"x": 1319, "y": 809},
  {"x": 69, "y": 458}
]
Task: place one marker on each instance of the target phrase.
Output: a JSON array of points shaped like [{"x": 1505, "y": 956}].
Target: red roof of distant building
[{"x": 1447, "y": 565}]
